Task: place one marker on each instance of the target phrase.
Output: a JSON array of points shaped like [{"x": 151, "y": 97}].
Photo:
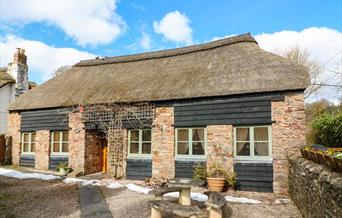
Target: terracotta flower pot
[{"x": 216, "y": 184}]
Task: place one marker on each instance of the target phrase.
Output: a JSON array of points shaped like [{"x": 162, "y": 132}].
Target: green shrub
[
  {"x": 327, "y": 129},
  {"x": 200, "y": 172}
]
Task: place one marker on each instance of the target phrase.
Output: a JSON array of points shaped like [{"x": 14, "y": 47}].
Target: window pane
[
  {"x": 182, "y": 148},
  {"x": 55, "y": 147},
  {"x": 56, "y": 136},
  {"x": 33, "y": 147},
  {"x": 134, "y": 148},
  {"x": 261, "y": 148},
  {"x": 242, "y": 134},
  {"x": 25, "y": 147},
  {"x": 146, "y": 148},
  {"x": 135, "y": 135},
  {"x": 33, "y": 137},
  {"x": 182, "y": 134},
  {"x": 260, "y": 134},
  {"x": 198, "y": 135},
  {"x": 65, "y": 136},
  {"x": 242, "y": 148},
  {"x": 198, "y": 148},
  {"x": 146, "y": 135},
  {"x": 26, "y": 137},
  {"x": 65, "y": 147}
]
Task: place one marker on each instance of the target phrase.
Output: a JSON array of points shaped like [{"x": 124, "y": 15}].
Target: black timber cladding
[
  {"x": 139, "y": 169},
  {"x": 254, "y": 176},
  {"x": 55, "y": 160},
  {"x": 185, "y": 168},
  {"x": 27, "y": 160},
  {"x": 234, "y": 110},
  {"x": 49, "y": 119}
]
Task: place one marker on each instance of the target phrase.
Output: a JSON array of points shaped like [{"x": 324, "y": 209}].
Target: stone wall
[
  {"x": 220, "y": 145},
  {"x": 315, "y": 189},
  {"x": 42, "y": 150},
  {"x": 14, "y": 121},
  {"x": 288, "y": 135},
  {"x": 163, "y": 143},
  {"x": 93, "y": 152},
  {"x": 76, "y": 142}
]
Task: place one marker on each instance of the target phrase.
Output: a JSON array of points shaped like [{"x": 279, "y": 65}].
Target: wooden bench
[
  {"x": 159, "y": 206},
  {"x": 159, "y": 192}
]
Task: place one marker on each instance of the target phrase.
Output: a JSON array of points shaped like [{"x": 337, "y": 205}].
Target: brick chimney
[{"x": 19, "y": 70}]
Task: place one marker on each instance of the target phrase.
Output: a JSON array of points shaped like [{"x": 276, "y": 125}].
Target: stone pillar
[
  {"x": 42, "y": 150},
  {"x": 76, "y": 142},
  {"x": 220, "y": 145},
  {"x": 163, "y": 143},
  {"x": 288, "y": 135},
  {"x": 13, "y": 132}
]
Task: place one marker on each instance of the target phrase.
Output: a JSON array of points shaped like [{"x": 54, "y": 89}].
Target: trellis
[{"x": 111, "y": 119}]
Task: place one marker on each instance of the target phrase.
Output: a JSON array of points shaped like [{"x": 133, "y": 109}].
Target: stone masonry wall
[
  {"x": 14, "y": 121},
  {"x": 93, "y": 152},
  {"x": 163, "y": 146},
  {"x": 42, "y": 150},
  {"x": 220, "y": 145},
  {"x": 315, "y": 189},
  {"x": 288, "y": 135},
  {"x": 76, "y": 142}
]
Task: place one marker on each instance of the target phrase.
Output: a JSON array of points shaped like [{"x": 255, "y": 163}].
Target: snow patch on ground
[
  {"x": 114, "y": 185},
  {"x": 242, "y": 200},
  {"x": 20, "y": 175},
  {"x": 72, "y": 180},
  {"x": 194, "y": 195},
  {"x": 138, "y": 189}
]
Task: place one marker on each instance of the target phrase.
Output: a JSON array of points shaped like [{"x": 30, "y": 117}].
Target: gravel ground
[{"x": 37, "y": 198}]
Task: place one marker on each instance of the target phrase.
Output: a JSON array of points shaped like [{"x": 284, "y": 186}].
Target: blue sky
[{"x": 62, "y": 32}]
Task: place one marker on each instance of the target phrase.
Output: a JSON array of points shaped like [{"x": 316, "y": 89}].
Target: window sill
[
  {"x": 266, "y": 160},
  {"x": 28, "y": 154},
  {"x": 202, "y": 158},
  {"x": 147, "y": 157},
  {"x": 60, "y": 154}
]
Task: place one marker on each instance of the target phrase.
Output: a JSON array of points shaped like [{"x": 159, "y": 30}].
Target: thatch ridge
[
  {"x": 231, "y": 66},
  {"x": 168, "y": 53}
]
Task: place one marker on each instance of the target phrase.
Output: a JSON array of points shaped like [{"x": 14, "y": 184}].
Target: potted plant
[
  {"x": 217, "y": 177},
  {"x": 63, "y": 169},
  {"x": 199, "y": 174}
]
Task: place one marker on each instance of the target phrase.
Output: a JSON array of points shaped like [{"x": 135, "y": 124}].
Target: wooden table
[{"x": 185, "y": 185}]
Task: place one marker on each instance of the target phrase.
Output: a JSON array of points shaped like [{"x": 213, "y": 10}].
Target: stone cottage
[{"x": 227, "y": 94}]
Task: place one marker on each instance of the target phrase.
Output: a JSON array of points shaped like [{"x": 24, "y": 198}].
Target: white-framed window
[
  {"x": 139, "y": 142},
  {"x": 28, "y": 142},
  {"x": 60, "y": 142},
  {"x": 191, "y": 142},
  {"x": 253, "y": 143}
]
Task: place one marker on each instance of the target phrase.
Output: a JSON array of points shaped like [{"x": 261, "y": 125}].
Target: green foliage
[
  {"x": 216, "y": 170},
  {"x": 327, "y": 129},
  {"x": 200, "y": 172},
  {"x": 62, "y": 165}
]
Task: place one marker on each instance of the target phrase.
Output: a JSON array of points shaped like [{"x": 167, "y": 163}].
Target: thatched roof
[
  {"x": 5, "y": 78},
  {"x": 229, "y": 66}
]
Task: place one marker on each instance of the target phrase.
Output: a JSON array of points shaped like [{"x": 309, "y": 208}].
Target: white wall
[{"x": 7, "y": 93}]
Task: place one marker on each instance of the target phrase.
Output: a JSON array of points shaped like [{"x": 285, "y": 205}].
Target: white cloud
[
  {"x": 42, "y": 58},
  {"x": 89, "y": 22},
  {"x": 145, "y": 41},
  {"x": 175, "y": 26},
  {"x": 324, "y": 46}
]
